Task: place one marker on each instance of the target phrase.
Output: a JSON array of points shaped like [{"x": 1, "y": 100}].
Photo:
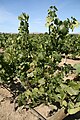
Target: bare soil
[{"x": 7, "y": 111}]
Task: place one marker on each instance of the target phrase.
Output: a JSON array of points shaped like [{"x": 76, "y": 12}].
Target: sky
[{"x": 37, "y": 11}]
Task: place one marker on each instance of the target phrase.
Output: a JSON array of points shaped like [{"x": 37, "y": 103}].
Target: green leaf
[
  {"x": 35, "y": 92},
  {"x": 0, "y": 66},
  {"x": 41, "y": 56},
  {"x": 63, "y": 86},
  {"x": 41, "y": 81},
  {"x": 30, "y": 74},
  {"x": 72, "y": 91},
  {"x": 71, "y": 105},
  {"x": 41, "y": 90},
  {"x": 63, "y": 29},
  {"x": 64, "y": 103},
  {"x": 74, "y": 85},
  {"x": 77, "y": 104},
  {"x": 78, "y": 98},
  {"x": 77, "y": 67},
  {"x": 28, "y": 93},
  {"x": 74, "y": 110},
  {"x": 56, "y": 21}
]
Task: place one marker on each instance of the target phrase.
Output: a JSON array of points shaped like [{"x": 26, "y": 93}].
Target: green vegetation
[{"x": 34, "y": 60}]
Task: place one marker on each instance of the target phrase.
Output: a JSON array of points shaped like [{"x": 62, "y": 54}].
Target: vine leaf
[
  {"x": 77, "y": 67},
  {"x": 74, "y": 110}
]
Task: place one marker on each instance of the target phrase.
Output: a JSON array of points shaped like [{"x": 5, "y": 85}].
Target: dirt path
[
  {"x": 7, "y": 110},
  {"x": 69, "y": 61}
]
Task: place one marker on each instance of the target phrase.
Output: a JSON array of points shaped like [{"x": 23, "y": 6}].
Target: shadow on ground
[{"x": 73, "y": 117}]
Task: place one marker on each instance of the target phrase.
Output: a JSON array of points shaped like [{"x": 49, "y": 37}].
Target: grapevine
[{"x": 34, "y": 62}]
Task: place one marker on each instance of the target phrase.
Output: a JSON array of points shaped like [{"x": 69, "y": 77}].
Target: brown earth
[
  {"x": 69, "y": 61},
  {"x": 7, "y": 111}
]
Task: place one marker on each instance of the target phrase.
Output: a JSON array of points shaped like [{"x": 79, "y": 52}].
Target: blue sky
[{"x": 37, "y": 10}]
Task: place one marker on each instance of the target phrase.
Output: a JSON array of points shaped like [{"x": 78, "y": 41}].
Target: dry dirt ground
[{"x": 7, "y": 109}]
